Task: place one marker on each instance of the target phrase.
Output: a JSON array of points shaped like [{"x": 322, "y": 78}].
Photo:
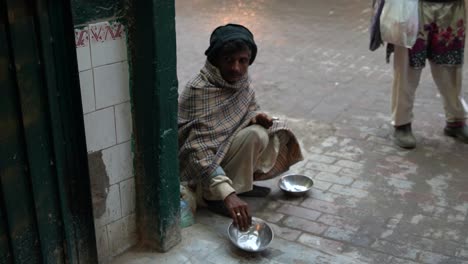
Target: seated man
[{"x": 225, "y": 142}]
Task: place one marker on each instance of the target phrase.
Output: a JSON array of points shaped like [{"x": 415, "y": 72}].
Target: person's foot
[
  {"x": 257, "y": 191},
  {"x": 403, "y": 136},
  {"x": 458, "y": 130}
]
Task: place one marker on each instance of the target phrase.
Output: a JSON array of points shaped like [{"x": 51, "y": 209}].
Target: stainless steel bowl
[
  {"x": 255, "y": 239},
  {"x": 295, "y": 184}
]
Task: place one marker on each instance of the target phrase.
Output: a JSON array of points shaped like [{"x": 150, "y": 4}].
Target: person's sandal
[
  {"x": 257, "y": 191},
  {"x": 457, "y": 130}
]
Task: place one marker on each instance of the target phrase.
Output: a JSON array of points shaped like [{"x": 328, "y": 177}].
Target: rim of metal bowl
[
  {"x": 253, "y": 251},
  {"x": 294, "y": 174}
]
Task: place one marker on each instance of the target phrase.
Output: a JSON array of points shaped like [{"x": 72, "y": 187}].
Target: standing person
[
  {"x": 441, "y": 40},
  {"x": 225, "y": 141}
]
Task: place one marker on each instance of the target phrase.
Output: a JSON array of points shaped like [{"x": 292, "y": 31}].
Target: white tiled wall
[
  {"x": 102, "y": 239},
  {"x": 118, "y": 161},
  {"x": 111, "y": 84},
  {"x": 123, "y": 122},
  {"x": 87, "y": 91},
  {"x": 122, "y": 234},
  {"x": 113, "y": 208},
  {"x": 83, "y": 52},
  {"x": 107, "y": 41},
  {"x": 100, "y": 129},
  {"x": 127, "y": 189},
  {"x": 104, "y": 80}
]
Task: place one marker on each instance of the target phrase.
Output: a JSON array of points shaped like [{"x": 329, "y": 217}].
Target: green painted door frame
[
  {"x": 45, "y": 199},
  {"x": 154, "y": 96}
]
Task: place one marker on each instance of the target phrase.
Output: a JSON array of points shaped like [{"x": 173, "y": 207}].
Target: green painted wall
[
  {"x": 154, "y": 95},
  {"x": 45, "y": 200},
  {"x": 152, "y": 58}
]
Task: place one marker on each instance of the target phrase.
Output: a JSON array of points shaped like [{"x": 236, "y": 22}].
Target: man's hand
[
  {"x": 262, "y": 119},
  {"x": 239, "y": 211}
]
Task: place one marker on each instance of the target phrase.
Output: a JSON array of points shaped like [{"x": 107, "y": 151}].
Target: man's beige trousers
[
  {"x": 448, "y": 80},
  {"x": 252, "y": 150}
]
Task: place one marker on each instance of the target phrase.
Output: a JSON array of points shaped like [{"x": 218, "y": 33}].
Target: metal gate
[{"x": 45, "y": 201}]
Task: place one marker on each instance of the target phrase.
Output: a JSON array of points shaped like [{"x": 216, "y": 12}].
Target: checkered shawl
[{"x": 211, "y": 113}]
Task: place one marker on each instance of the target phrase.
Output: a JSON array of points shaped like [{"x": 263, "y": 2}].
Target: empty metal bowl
[
  {"x": 255, "y": 239},
  {"x": 295, "y": 184}
]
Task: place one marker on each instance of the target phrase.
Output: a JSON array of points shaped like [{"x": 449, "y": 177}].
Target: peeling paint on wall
[{"x": 99, "y": 183}]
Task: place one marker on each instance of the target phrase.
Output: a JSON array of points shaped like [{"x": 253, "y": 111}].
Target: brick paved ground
[{"x": 372, "y": 202}]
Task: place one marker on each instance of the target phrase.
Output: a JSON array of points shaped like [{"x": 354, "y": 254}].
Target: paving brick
[
  {"x": 386, "y": 149},
  {"x": 321, "y": 195},
  {"x": 322, "y": 206},
  {"x": 337, "y": 233},
  {"x": 397, "y": 250},
  {"x": 322, "y": 185},
  {"x": 348, "y": 191},
  {"x": 416, "y": 219},
  {"x": 363, "y": 185},
  {"x": 285, "y": 199},
  {"x": 299, "y": 212},
  {"x": 270, "y": 216},
  {"x": 351, "y": 133},
  {"x": 321, "y": 158},
  {"x": 463, "y": 253},
  {"x": 323, "y": 167},
  {"x": 400, "y": 184},
  {"x": 272, "y": 205},
  {"x": 320, "y": 243},
  {"x": 394, "y": 221},
  {"x": 418, "y": 197},
  {"x": 309, "y": 173},
  {"x": 333, "y": 178},
  {"x": 418, "y": 242},
  {"x": 304, "y": 225},
  {"x": 337, "y": 221},
  {"x": 350, "y": 153},
  {"x": 433, "y": 233},
  {"x": 329, "y": 142},
  {"x": 362, "y": 240},
  {"x": 432, "y": 258},
  {"x": 445, "y": 247},
  {"x": 396, "y": 260},
  {"x": 349, "y": 164},
  {"x": 347, "y": 201},
  {"x": 381, "y": 141},
  {"x": 315, "y": 149},
  {"x": 440, "y": 212},
  {"x": 217, "y": 256},
  {"x": 456, "y": 218},
  {"x": 365, "y": 255},
  {"x": 285, "y": 232},
  {"x": 356, "y": 174}
]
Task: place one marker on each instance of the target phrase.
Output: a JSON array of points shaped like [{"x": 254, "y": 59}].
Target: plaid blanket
[{"x": 211, "y": 113}]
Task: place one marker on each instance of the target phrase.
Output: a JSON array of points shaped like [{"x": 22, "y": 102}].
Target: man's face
[{"x": 234, "y": 66}]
